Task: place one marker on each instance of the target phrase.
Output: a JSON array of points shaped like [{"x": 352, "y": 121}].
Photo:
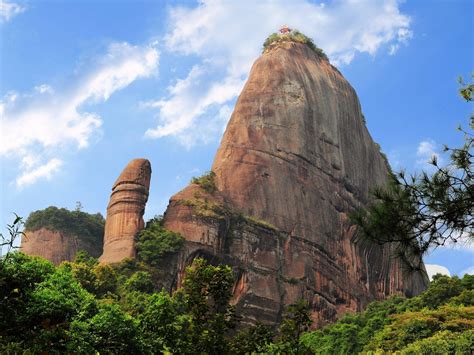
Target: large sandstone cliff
[
  {"x": 57, "y": 246},
  {"x": 125, "y": 211},
  {"x": 295, "y": 160}
]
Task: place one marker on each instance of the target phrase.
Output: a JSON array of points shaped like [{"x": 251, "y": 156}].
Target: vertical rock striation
[
  {"x": 295, "y": 160},
  {"x": 58, "y": 246},
  {"x": 125, "y": 211}
]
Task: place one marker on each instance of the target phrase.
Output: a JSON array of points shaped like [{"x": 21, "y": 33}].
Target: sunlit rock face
[
  {"x": 57, "y": 246},
  {"x": 125, "y": 211},
  {"x": 295, "y": 160}
]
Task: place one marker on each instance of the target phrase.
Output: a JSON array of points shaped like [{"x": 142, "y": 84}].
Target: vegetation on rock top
[
  {"x": 274, "y": 39},
  {"x": 206, "y": 181},
  {"x": 82, "y": 224}
]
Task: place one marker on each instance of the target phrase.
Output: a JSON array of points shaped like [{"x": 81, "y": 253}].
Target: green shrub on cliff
[
  {"x": 206, "y": 181},
  {"x": 293, "y": 36},
  {"x": 155, "y": 242},
  {"x": 76, "y": 222}
]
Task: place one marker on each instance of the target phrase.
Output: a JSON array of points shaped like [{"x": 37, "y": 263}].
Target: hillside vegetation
[
  {"x": 90, "y": 226},
  {"x": 87, "y": 307}
]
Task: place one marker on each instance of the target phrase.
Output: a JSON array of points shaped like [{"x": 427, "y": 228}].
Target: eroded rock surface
[
  {"x": 125, "y": 211},
  {"x": 57, "y": 246},
  {"x": 295, "y": 160}
]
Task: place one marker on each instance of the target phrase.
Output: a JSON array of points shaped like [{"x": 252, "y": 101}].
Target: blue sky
[{"x": 85, "y": 86}]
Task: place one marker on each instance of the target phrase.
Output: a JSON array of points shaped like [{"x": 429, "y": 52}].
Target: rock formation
[
  {"x": 295, "y": 160},
  {"x": 125, "y": 211},
  {"x": 57, "y": 246}
]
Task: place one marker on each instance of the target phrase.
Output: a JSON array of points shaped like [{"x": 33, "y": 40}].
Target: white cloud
[
  {"x": 425, "y": 152},
  {"x": 43, "y": 125},
  {"x": 227, "y": 36},
  {"x": 190, "y": 98},
  {"x": 30, "y": 176},
  {"x": 8, "y": 10},
  {"x": 469, "y": 271},
  {"x": 44, "y": 89},
  {"x": 433, "y": 269}
]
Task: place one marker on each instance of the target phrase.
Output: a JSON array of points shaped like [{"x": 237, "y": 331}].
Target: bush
[
  {"x": 109, "y": 331},
  {"x": 155, "y": 243},
  {"x": 90, "y": 226},
  {"x": 294, "y": 36},
  {"x": 140, "y": 281},
  {"x": 206, "y": 181}
]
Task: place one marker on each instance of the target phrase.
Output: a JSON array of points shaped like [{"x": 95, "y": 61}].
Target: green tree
[
  {"x": 251, "y": 340},
  {"x": 109, "y": 331},
  {"x": 164, "y": 324},
  {"x": 19, "y": 276},
  {"x": 297, "y": 320},
  {"x": 140, "y": 281},
  {"x": 207, "y": 290},
  {"x": 154, "y": 243}
]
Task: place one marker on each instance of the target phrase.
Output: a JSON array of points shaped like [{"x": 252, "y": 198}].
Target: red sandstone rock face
[
  {"x": 125, "y": 211},
  {"x": 57, "y": 246},
  {"x": 296, "y": 154}
]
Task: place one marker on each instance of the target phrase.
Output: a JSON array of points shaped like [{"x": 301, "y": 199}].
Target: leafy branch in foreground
[
  {"x": 424, "y": 211},
  {"x": 15, "y": 230}
]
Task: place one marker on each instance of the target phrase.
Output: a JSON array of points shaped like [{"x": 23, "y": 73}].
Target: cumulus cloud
[
  {"x": 8, "y": 10},
  {"x": 42, "y": 123},
  {"x": 426, "y": 151},
  {"x": 31, "y": 175},
  {"x": 468, "y": 271},
  {"x": 433, "y": 269},
  {"x": 227, "y": 37}
]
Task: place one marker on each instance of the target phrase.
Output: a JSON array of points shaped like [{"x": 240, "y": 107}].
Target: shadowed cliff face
[
  {"x": 295, "y": 160},
  {"x": 125, "y": 211}
]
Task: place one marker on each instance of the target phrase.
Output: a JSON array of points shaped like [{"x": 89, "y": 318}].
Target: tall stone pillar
[{"x": 125, "y": 211}]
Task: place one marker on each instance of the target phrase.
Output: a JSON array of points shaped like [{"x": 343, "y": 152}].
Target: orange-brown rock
[
  {"x": 295, "y": 160},
  {"x": 125, "y": 211},
  {"x": 57, "y": 246}
]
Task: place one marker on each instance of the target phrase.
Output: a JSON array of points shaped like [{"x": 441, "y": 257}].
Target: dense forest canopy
[{"x": 87, "y": 307}]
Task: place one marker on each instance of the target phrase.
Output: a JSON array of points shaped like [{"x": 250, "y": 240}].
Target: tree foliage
[
  {"x": 443, "y": 314},
  {"x": 155, "y": 242},
  {"x": 75, "y": 222},
  {"x": 87, "y": 307}
]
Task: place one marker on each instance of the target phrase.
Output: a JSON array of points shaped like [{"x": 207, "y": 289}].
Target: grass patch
[
  {"x": 208, "y": 209},
  {"x": 206, "y": 181}
]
